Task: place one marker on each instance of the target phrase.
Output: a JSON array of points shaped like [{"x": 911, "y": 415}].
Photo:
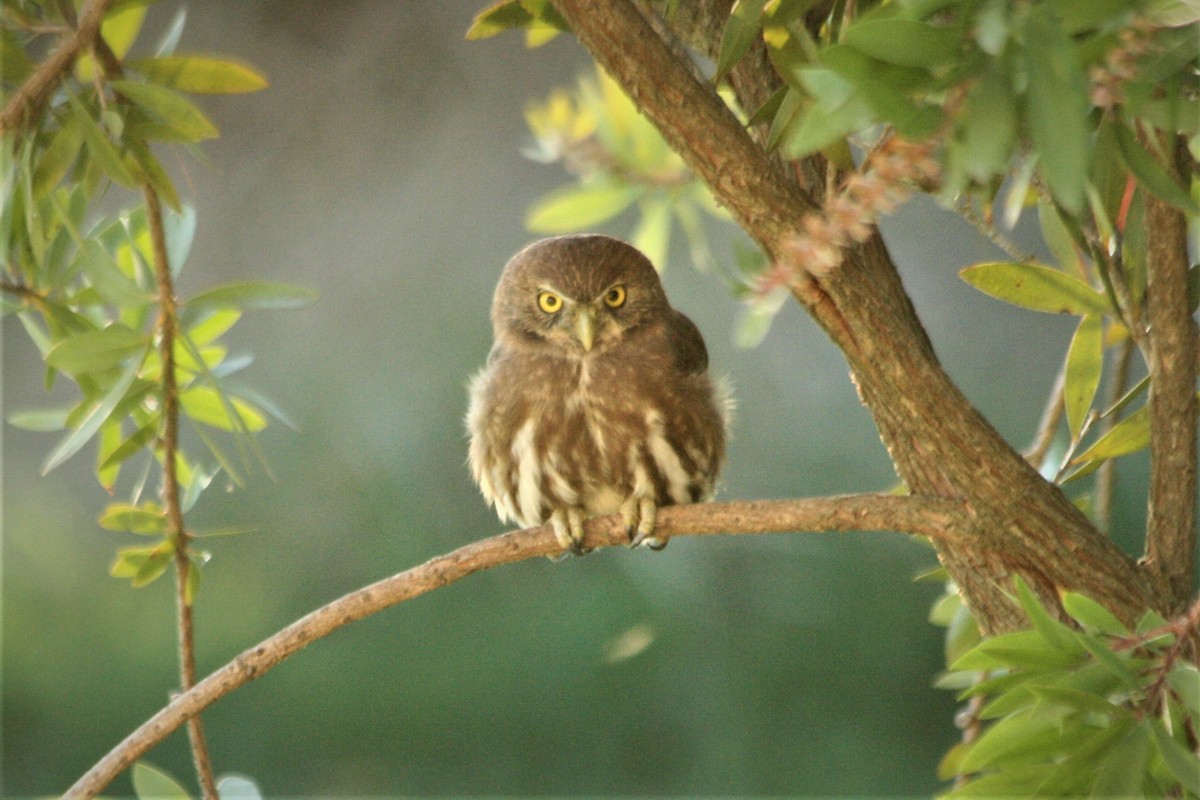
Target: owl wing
[{"x": 691, "y": 356}]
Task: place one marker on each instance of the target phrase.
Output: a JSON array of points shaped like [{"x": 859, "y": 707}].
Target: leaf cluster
[
  {"x": 88, "y": 286},
  {"x": 1083, "y": 708}
]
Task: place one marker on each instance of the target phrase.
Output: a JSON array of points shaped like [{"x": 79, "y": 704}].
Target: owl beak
[{"x": 585, "y": 326}]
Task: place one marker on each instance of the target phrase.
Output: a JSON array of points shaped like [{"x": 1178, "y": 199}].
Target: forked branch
[{"x": 923, "y": 516}]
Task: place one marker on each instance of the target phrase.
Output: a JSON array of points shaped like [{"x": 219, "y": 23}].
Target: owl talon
[
  {"x": 639, "y": 515},
  {"x": 568, "y": 530}
]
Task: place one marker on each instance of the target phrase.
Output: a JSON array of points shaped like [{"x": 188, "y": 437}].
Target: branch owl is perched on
[{"x": 596, "y": 397}]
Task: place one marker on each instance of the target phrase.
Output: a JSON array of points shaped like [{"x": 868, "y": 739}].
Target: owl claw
[
  {"x": 639, "y": 515},
  {"x": 568, "y": 530}
]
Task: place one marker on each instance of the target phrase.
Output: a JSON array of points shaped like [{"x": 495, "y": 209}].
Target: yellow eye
[
  {"x": 549, "y": 302},
  {"x": 615, "y": 297}
]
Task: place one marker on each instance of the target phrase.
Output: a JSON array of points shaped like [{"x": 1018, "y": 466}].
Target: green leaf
[
  {"x": 1122, "y": 768},
  {"x": 1013, "y": 738},
  {"x": 96, "y": 351},
  {"x": 1149, "y": 174},
  {"x": 113, "y": 285},
  {"x": 741, "y": 29},
  {"x": 1017, "y": 650},
  {"x": 201, "y": 74},
  {"x": 989, "y": 126},
  {"x": 1057, "y": 108},
  {"x": 1010, "y": 783},
  {"x": 39, "y": 420},
  {"x": 170, "y": 108},
  {"x": 252, "y": 295},
  {"x": 1184, "y": 679},
  {"x": 58, "y": 157},
  {"x": 904, "y": 41},
  {"x": 206, "y": 404},
  {"x": 133, "y": 444},
  {"x": 1127, "y": 436},
  {"x": 1085, "y": 359},
  {"x": 1058, "y": 239},
  {"x": 1090, "y": 614},
  {"x": 150, "y": 783},
  {"x": 120, "y": 29},
  {"x": 1182, "y": 764},
  {"x": 576, "y": 207},
  {"x": 1036, "y": 287},
  {"x": 98, "y": 411},
  {"x": 497, "y": 18},
  {"x": 1109, "y": 660},
  {"x": 837, "y": 110},
  {"x": 147, "y": 518},
  {"x": 1053, "y": 632},
  {"x": 101, "y": 148}
]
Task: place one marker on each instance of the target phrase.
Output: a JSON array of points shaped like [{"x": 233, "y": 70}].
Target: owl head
[{"x": 579, "y": 294}]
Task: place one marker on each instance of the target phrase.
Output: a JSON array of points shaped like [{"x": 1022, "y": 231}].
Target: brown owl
[{"x": 596, "y": 397}]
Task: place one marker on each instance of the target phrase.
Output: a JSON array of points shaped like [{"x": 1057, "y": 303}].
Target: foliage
[
  {"x": 85, "y": 284},
  {"x": 1087, "y": 709}
]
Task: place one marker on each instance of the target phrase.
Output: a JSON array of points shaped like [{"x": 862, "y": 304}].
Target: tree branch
[
  {"x": 924, "y": 516},
  {"x": 1171, "y": 516},
  {"x": 939, "y": 444},
  {"x": 167, "y": 324},
  {"x": 27, "y": 102}
]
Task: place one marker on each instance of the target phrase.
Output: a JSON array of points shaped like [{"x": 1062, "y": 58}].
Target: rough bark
[{"x": 939, "y": 443}]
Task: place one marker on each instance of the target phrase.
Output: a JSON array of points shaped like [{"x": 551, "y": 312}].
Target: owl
[{"x": 596, "y": 397}]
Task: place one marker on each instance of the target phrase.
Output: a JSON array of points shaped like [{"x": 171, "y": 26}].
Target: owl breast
[{"x": 592, "y": 434}]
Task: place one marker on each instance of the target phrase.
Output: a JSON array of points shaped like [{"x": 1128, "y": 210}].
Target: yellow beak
[{"x": 585, "y": 326}]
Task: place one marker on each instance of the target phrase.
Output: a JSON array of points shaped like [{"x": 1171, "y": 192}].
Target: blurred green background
[{"x": 383, "y": 169}]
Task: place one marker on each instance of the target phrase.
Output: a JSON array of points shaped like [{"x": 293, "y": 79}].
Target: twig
[
  {"x": 27, "y": 102},
  {"x": 1171, "y": 515},
  {"x": 966, "y": 210},
  {"x": 1106, "y": 476},
  {"x": 1052, "y": 414},
  {"x": 925, "y": 516},
  {"x": 167, "y": 323}
]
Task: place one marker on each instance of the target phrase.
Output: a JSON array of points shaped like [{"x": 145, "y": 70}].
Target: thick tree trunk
[{"x": 939, "y": 443}]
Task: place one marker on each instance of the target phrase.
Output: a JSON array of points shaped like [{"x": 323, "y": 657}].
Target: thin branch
[
  {"x": 925, "y": 516},
  {"x": 1052, "y": 414},
  {"x": 1106, "y": 476},
  {"x": 27, "y": 102},
  {"x": 167, "y": 323},
  {"x": 1171, "y": 516}
]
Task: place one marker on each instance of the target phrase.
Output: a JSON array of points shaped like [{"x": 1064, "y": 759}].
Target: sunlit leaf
[
  {"x": 252, "y": 295},
  {"x": 1127, "y": 436},
  {"x": 170, "y": 108},
  {"x": 134, "y": 444},
  {"x": 119, "y": 30},
  {"x": 151, "y": 783},
  {"x": 96, "y": 351},
  {"x": 107, "y": 278},
  {"x": 577, "y": 207},
  {"x": 1090, "y": 614},
  {"x": 98, "y": 411},
  {"x": 147, "y": 518},
  {"x": 201, "y": 74},
  {"x": 1085, "y": 360},
  {"x": 1036, "y": 287},
  {"x": 205, "y": 404}
]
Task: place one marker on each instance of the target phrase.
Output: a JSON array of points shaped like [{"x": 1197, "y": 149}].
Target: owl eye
[
  {"x": 615, "y": 297},
  {"x": 549, "y": 302}
]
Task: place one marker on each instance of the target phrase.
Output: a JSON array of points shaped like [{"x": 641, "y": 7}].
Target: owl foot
[
  {"x": 639, "y": 515},
  {"x": 568, "y": 530}
]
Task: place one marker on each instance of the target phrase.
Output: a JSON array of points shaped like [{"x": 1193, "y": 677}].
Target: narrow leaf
[
  {"x": 1057, "y": 107},
  {"x": 103, "y": 151},
  {"x": 134, "y": 444},
  {"x": 1090, "y": 614},
  {"x": 201, "y": 74},
  {"x": 574, "y": 208},
  {"x": 1128, "y": 436},
  {"x": 1149, "y": 174},
  {"x": 205, "y": 404},
  {"x": 39, "y": 420},
  {"x": 1085, "y": 359},
  {"x": 905, "y": 42},
  {"x": 145, "y": 519},
  {"x": 1183, "y": 764},
  {"x": 169, "y": 107},
  {"x": 497, "y": 18},
  {"x": 741, "y": 29},
  {"x": 1035, "y": 287},
  {"x": 96, "y": 351},
  {"x": 93, "y": 419},
  {"x": 251, "y": 295}
]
